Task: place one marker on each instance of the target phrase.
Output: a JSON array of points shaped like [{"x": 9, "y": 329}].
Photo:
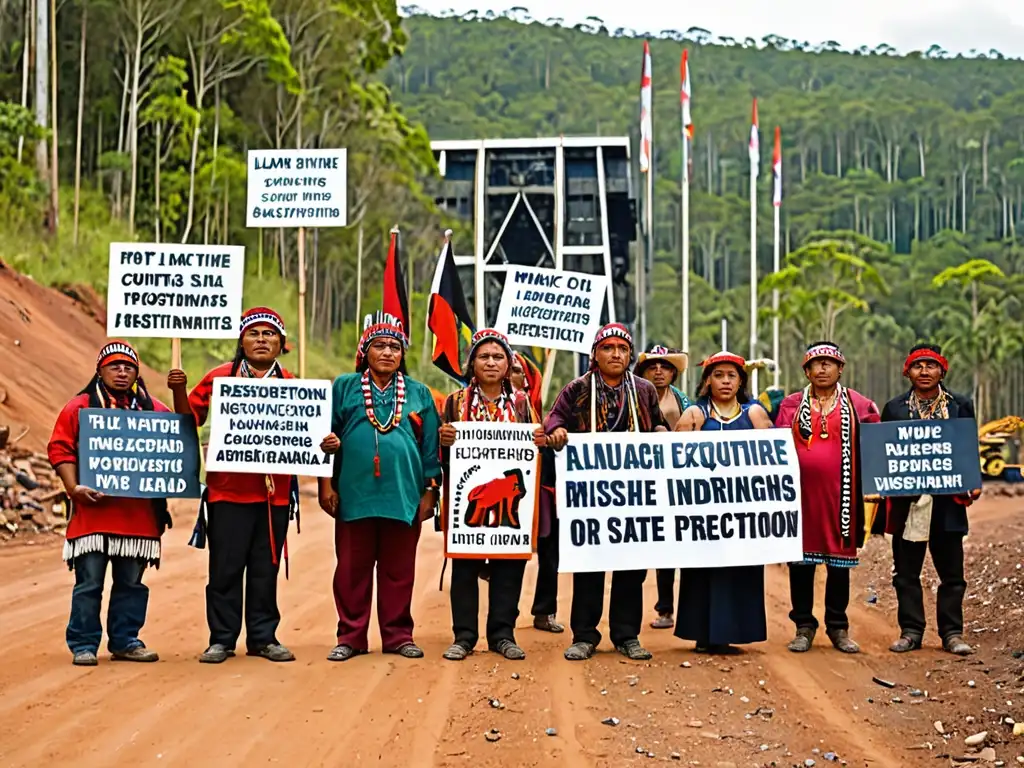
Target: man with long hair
[
  {"x": 608, "y": 398},
  {"x": 489, "y": 397},
  {"x": 123, "y": 532},
  {"x": 389, "y": 468},
  {"x": 244, "y": 515},
  {"x": 928, "y": 523},
  {"x": 825, "y": 418}
]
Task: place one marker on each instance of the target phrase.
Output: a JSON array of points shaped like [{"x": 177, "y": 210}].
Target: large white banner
[
  {"x": 551, "y": 308},
  {"x": 492, "y": 491},
  {"x": 296, "y": 188},
  {"x": 678, "y": 500},
  {"x": 157, "y": 290},
  {"x": 270, "y": 426}
]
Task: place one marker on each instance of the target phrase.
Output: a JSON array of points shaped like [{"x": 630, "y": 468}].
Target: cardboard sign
[
  {"x": 270, "y": 426},
  {"x": 634, "y": 501},
  {"x": 551, "y": 309},
  {"x": 492, "y": 492},
  {"x": 166, "y": 291},
  {"x": 138, "y": 454},
  {"x": 910, "y": 458},
  {"x": 297, "y": 188}
]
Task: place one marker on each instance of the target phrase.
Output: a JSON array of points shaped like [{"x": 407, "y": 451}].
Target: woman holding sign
[
  {"x": 489, "y": 397},
  {"x": 121, "y": 531},
  {"x": 722, "y": 607},
  {"x": 385, "y": 485}
]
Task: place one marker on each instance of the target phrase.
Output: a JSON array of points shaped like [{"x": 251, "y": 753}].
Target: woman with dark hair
[
  {"x": 722, "y": 607},
  {"x": 244, "y": 515},
  {"x": 385, "y": 432},
  {"x": 121, "y": 531}
]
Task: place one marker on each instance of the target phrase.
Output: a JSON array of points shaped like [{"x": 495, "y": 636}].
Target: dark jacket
[{"x": 949, "y": 513}]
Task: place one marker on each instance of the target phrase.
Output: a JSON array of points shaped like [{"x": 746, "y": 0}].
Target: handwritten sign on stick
[
  {"x": 678, "y": 500},
  {"x": 138, "y": 454},
  {"x": 297, "y": 188},
  {"x": 163, "y": 291}
]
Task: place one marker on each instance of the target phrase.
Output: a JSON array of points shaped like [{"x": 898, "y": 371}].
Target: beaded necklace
[{"x": 396, "y": 414}]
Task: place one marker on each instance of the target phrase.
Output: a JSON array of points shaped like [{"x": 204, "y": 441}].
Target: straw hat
[{"x": 677, "y": 360}]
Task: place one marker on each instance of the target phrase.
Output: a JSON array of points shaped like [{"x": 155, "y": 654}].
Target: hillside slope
[{"x": 48, "y": 344}]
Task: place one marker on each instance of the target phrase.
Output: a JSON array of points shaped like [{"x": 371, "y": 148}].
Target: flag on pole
[
  {"x": 755, "y": 145},
  {"x": 395, "y": 297},
  {"x": 646, "y": 121},
  {"x": 685, "y": 95},
  {"x": 777, "y": 168},
  {"x": 448, "y": 317}
]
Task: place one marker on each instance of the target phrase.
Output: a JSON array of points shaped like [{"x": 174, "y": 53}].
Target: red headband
[
  {"x": 827, "y": 351},
  {"x": 925, "y": 354},
  {"x": 724, "y": 357}
]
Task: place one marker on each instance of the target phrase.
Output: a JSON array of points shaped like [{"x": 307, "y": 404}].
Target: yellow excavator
[{"x": 999, "y": 444}]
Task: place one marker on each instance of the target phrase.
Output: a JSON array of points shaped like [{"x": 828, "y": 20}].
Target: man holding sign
[
  {"x": 102, "y": 529},
  {"x": 608, "y": 398},
  {"x": 489, "y": 398},
  {"x": 929, "y": 522}
]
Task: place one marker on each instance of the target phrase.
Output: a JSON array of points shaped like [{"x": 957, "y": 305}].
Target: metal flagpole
[
  {"x": 777, "y": 204},
  {"x": 684, "y": 108},
  {"x": 754, "y": 161},
  {"x": 648, "y": 255}
]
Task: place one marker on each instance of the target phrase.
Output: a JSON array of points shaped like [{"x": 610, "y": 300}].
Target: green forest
[{"x": 903, "y": 175}]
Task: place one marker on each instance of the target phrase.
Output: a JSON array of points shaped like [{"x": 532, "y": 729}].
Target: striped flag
[
  {"x": 448, "y": 317},
  {"x": 394, "y": 296},
  {"x": 777, "y": 168},
  {"x": 646, "y": 120},
  {"x": 755, "y": 146},
  {"x": 685, "y": 95}
]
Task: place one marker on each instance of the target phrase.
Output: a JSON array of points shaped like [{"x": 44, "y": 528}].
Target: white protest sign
[
  {"x": 296, "y": 188},
  {"x": 678, "y": 500},
  {"x": 492, "y": 491},
  {"x": 269, "y": 426},
  {"x": 163, "y": 291},
  {"x": 551, "y": 308}
]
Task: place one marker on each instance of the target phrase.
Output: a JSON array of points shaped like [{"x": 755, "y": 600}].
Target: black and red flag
[
  {"x": 395, "y": 298},
  {"x": 448, "y": 318}
]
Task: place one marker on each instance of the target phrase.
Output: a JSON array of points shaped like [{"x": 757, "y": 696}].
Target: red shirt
[
  {"x": 116, "y": 515},
  {"x": 235, "y": 487}
]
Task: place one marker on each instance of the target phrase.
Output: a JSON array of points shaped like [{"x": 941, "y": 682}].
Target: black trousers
[
  {"x": 504, "y": 589},
  {"x": 239, "y": 541},
  {"x": 545, "y": 596},
  {"x": 837, "y": 596},
  {"x": 666, "y": 591},
  {"x": 625, "y": 608},
  {"x": 948, "y": 557}
]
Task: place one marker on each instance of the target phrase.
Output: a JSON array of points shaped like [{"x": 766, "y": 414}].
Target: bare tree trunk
[
  {"x": 26, "y": 58},
  {"x": 80, "y": 119},
  {"x": 54, "y": 123},
  {"x": 156, "y": 182},
  {"x": 133, "y": 121},
  {"x": 213, "y": 170}
]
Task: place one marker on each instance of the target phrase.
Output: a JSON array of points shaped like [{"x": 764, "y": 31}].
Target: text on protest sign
[
  {"x": 175, "y": 291},
  {"x": 551, "y": 308},
  {"x": 296, "y": 188},
  {"x": 678, "y": 500},
  {"x": 269, "y": 426},
  {"x": 492, "y": 491},
  {"x": 911, "y": 458},
  {"x": 138, "y": 454}
]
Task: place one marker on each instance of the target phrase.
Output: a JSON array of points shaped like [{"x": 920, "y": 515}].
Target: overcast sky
[{"x": 907, "y": 25}]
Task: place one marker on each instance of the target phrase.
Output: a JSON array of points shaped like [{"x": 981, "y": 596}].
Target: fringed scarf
[
  {"x": 606, "y": 404},
  {"x": 936, "y": 408},
  {"x": 803, "y": 431}
]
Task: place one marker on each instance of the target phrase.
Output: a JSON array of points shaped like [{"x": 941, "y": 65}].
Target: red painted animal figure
[{"x": 496, "y": 502}]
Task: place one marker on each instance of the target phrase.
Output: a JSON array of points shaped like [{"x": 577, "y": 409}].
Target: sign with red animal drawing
[{"x": 492, "y": 492}]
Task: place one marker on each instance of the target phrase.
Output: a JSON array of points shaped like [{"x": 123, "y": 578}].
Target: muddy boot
[
  {"x": 664, "y": 621},
  {"x": 957, "y": 645},
  {"x": 841, "y": 641},
  {"x": 905, "y": 643},
  {"x": 803, "y": 640}
]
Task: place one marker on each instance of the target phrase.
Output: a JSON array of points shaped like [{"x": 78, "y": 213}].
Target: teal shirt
[
  {"x": 684, "y": 401},
  {"x": 407, "y": 462}
]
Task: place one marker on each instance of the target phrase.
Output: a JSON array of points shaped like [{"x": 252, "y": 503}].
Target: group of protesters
[{"x": 392, "y": 449}]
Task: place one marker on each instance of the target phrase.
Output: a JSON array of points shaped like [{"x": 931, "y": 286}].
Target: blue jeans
[{"x": 126, "y": 611}]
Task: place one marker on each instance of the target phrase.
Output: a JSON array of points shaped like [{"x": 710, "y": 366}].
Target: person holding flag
[
  {"x": 608, "y": 398},
  {"x": 385, "y": 432}
]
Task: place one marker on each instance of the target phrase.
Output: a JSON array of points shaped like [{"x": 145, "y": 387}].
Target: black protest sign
[
  {"x": 138, "y": 454},
  {"x": 911, "y": 458}
]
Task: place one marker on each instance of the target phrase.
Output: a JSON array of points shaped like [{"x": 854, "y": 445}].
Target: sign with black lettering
[
  {"x": 138, "y": 454},
  {"x": 269, "y": 426},
  {"x": 551, "y": 308},
  {"x": 297, "y": 188},
  {"x": 912, "y": 458},
  {"x": 492, "y": 491},
  {"x": 678, "y": 500},
  {"x": 162, "y": 291}
]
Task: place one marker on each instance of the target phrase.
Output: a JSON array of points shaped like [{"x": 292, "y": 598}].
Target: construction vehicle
[{"x": 999, "y": 444}]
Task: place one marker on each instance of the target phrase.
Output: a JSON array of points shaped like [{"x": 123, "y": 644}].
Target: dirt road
[{"x": 765, "y": 707}]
